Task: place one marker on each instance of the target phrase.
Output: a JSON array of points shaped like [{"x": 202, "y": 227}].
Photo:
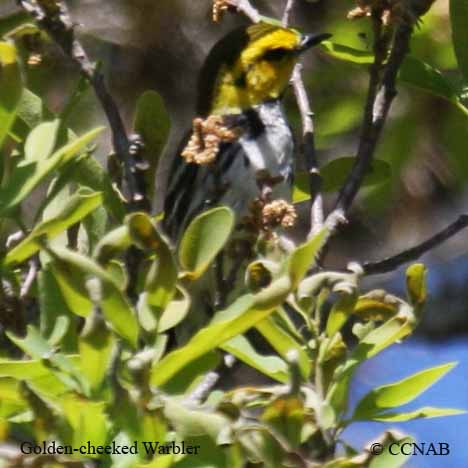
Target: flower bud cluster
[{"x": 206, "y": 139}]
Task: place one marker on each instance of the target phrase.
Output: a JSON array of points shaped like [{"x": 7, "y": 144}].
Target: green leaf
[
  {"x": 421, "y": 413},
  {"x": 152, "y": 123},
  {"x": 188, "y": 422},
  {"x": 72, "y": 286},
  {"x": 38, "y": 348},
  {"x": 88, "y": 172},
  {"x": 78, "y": 207},
  {"x": 59, "y": 331},
  {"x": 160, "y": 283},
  {"x": 81, "y": 87},
  {"x": 114, "y": 304},
  {"x": 203, "y": 240},
  {"x": 370, "y": 345},
  {"x": 334, "y": 174},
  {"x": 415, "y": 72},
  {"x": 161, "y": 461},
  {"x": 53, "y": 307},
  {"x": 398, "y": 393},
  {"x": 11, "y": 88},
  {"x": 96, "y": 345},
  {"x": 421, "y": 75},
  {"x": 459, "y": 19},
  {"x": 93, "y": 228},
  {"x": 31, "y": 109},
  {"x": 347, "y": 54},
  {"x": 376, "y": 305},
  {"x": 391, "y": 459},
  {"x": 40, "y": 377},
  {"x": 11, "y": 401},
  {"x": 272, "y": 366},
  {"x": 41, "y": 141},
  {"x": 129, "y": 459},
  {"x": 88, "y": 420},
  {"x": 28, "y": 175},
  {"x": 303, "y": 257},
  {"x": 247, "y": 311},
  {"x": 23, "y": 370},
  {"x": 174, "y": 312},
  {"x": 282, "y": 342},
  {"x": 112, "y": 244},
  {"x": 339, "y": 313},
  {"x": 416, "y": 284},
  {"x": 286, "y": 416},
  {"x": 259, "y": 274}
]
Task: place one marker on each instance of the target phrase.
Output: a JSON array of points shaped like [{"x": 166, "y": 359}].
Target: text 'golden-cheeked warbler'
[{"x": 241, "y": 133}]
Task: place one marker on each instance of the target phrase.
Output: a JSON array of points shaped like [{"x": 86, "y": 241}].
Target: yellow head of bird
[{"x": 250, "y": 66}]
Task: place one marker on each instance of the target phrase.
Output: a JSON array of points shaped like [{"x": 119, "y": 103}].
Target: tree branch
[
  {"x": 245, "y": 7},
  {"x": 308, "y": 140},
  {"x": 30, "y": 278},
  {"x": 308, "y": 150},
  {"x": 287, "y": 12},
  {"x": 54, "y": 18},
  {"x": 204, "y": 388},
  {"x": 392, "y": 263},
  {"x": 380, "y": 97}
]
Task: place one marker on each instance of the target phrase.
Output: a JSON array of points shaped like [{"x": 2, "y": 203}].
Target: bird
[{"x": 240, "y": 89}]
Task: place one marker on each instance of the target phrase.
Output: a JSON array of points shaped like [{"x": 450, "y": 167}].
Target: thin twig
[
  {"x": 245, "y": 7},
  {"x": 202, "y": 391},
  {"x": 392, "y": 263},
  {"x": 308, "y": 150},
  {"x": 308, "y": 140},
  {"x": 380, "y": 98},
  {"x": 287, "y": 12},
  {"x": 30, "y": 278},
  {"x": 205, "y": 387},
  {"x": 54, "y": 18},
  {"x": 14, "y": 239}
]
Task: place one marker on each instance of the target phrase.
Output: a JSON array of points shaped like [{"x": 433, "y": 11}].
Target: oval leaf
[
  {"x": 271, "y": 366},
  {"x": 243, "y": 314},
  {"x": 152, "y": 123},
  {"x": 78, "y": 207},
  {"x": 423, "y": 76},
  {"x": 203, "y": 240},
  {"x": 41, "y": 141},
  {"x": 416, "y": 284},
  {"x": 398, "y": 393},
  {"x": 114, "y": 304},
  {"x": 28, "y": 175}
]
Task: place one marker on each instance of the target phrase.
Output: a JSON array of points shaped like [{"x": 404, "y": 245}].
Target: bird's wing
[{"x": 193, "y": 188}]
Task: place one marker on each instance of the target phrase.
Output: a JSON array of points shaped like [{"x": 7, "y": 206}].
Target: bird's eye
[{"x": 275, "y": 54}]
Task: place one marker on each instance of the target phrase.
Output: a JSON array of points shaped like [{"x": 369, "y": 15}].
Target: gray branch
[
  {"x": 308, "y": 150},
  {"x": 54, "y": 18},
  {"x": 287, "y": 12},
  {"x": 245, "y": 7},
  {"x": 380, "y": 97},
  {"x": 392, "y": 263}
]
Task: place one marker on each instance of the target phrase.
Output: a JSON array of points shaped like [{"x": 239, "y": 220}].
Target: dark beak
[{"x": 310, "y": 40}]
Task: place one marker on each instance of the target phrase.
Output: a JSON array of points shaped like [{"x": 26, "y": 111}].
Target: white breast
[{"x": 271, "y": 151}]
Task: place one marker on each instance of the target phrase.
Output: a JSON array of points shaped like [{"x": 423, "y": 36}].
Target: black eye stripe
[{"x": 275, "y": 54}]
